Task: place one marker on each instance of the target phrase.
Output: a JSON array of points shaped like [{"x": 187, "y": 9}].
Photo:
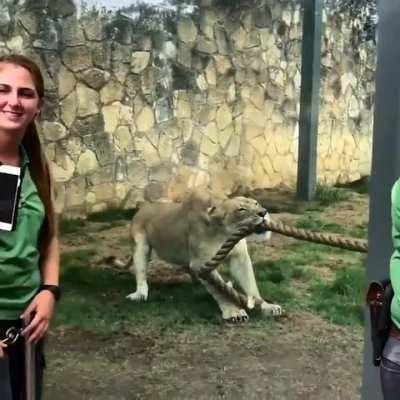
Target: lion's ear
[
  {"x": 208, "y": 215},
  {"x": 216, "y": 212}
]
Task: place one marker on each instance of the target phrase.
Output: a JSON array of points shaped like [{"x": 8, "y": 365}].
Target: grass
[
  {"x": 69, "y": 226},
  {"x": 340, "y": 301},
  {"x": 327, "y": 195},
  {"x": 359, "y": 231},
  {"x": 280, "y": 271},
  {"x": 313, "y": 223},
  {"x": 94, "y": 299}
]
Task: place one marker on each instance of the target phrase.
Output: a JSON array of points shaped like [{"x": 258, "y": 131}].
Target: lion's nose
[{"x": 262, "y": 213}]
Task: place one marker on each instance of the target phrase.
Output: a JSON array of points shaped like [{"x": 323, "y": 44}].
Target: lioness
[{"x": 189, "y": 234}]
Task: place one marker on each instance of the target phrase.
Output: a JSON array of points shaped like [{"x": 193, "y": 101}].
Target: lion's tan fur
[{"x": 189, "y": 234}]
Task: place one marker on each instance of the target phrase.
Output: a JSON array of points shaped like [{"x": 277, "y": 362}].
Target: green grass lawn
[{"x": 94, "y": 299}]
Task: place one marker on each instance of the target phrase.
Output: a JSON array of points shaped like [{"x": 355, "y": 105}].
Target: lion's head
[{"x": 232, "y": 213}]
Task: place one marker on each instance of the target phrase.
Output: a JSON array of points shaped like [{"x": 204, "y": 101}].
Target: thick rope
[
  {"x": 317, "y": 237},
  {"x": 205, "y": 272},
  {"x": 240, "y": 299},
  {"x": 224, "y": 250}
]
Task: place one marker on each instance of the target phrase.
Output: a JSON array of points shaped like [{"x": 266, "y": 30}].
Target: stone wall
[{"x": 136, "y": 111}]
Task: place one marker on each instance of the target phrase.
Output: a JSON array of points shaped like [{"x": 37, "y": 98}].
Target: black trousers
[
  {"x": 390, "y": 369},
  {"x": 12, "y": 367}
]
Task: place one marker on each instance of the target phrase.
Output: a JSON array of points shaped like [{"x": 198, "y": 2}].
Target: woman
[
  {"x": 29, "y": 254},
  {"x": 390, "y": 365}
]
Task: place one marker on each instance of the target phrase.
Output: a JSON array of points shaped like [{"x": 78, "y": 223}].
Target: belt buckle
[{"x": 12, "y": 335}]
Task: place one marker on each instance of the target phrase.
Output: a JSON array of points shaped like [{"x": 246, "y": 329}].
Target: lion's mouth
[
  {"x": 257, "y": 222},
  {"x": 261, "y": 223}
]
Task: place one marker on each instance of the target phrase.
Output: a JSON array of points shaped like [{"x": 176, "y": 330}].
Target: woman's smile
[
  {"x": 19, "y": 101},
  {"x": 13, "y": 114},
  {"x": 12, "y": 120}
]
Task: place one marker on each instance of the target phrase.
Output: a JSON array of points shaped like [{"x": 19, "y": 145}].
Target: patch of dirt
[{"x": 301, "y": 356}]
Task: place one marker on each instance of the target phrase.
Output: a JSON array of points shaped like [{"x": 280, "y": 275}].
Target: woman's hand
[
  {"x": 42, "y": 306},
  {"x": 2, "y": 347}
]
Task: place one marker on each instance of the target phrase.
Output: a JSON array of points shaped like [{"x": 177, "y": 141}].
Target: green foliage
[
  {"x": 364, "y": 16},
  {"x": 327, "y": 195},
  {"x": 148, "y": 18},
  {"x": 95, "y": 12}
]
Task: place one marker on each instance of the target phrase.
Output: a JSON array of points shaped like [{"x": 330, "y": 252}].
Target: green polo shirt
[
  {"x": 19, "y": 253},
  {"x": 395, "y": 259}
]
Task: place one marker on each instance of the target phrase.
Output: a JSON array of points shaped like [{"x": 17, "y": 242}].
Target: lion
[{"x": 188, "y": 234}]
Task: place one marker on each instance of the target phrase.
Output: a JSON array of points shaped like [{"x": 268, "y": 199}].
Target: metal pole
[
  {"x": 385, "y": 167},
  {"x": 309, "y": 99},
  {"x": 30, "y": 363},
  {"x": 30, "y": 371}
]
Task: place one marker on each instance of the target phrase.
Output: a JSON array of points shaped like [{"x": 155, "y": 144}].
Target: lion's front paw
[
  {"x": 235, "y": 317},
  {"x": 271, "y": 310},
  {"x": 135, "y": 296},
  {"x": 140, "y": 294}
]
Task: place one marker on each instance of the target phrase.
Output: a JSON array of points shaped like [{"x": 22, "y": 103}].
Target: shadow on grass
[
  {"x": 112, "y": 214},
  {"x": 111, "y": 218},
  {"x": 95, "y": 299}
]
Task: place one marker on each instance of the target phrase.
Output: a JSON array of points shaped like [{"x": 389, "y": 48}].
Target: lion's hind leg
[{"x": 141, "y": 258}]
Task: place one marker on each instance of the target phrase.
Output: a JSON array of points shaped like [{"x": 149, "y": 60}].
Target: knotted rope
[{"x": 317, "y": 237}]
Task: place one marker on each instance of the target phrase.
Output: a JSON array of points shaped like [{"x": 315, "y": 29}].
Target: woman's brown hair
[{"x": 38, "y": 165}]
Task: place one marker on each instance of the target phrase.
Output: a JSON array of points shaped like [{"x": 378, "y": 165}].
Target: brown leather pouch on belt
[{"x": 379, "y": 298}]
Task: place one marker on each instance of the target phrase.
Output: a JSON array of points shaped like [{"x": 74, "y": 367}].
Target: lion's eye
[{"x": 242, "y": 209}]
